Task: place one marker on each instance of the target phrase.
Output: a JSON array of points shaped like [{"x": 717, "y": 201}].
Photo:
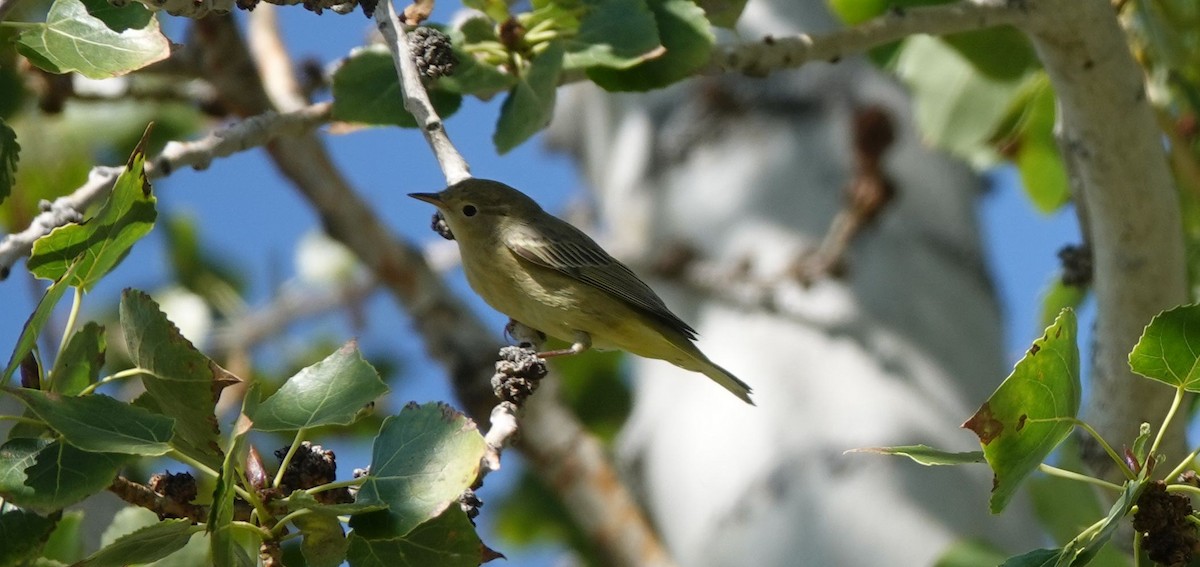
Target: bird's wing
[{"x": 566, "y": 249}]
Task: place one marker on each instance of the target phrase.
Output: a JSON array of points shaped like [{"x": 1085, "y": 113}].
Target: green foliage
[
  {"x": 530, "y": 103},
  {"x": 330, "y": 392},
  {"x": 926, "y": 455},
  {"x": 78, "y": 365},
  {"x": 45, "y": 476},
  {"x": 180, "y": 381},
  {"x": 687, "y": 38},
  {"x": 449, "y": 540},
  {"x": 612, "y": 33},
  {"x": 10, "y": 151},
  {"x": 66, "y": 542},
  {"x": 1059, "y": 296},
  {"x": 23, "y": 532},
  {"x": 1026, "y": 135},
  {"x": 144, "y": 545},
  {"x": 1169, "y": 349},
  {"x": 94, "y": 39},
  {"x": 100, "y": 424},
  {"x": 423, "y": 459},
  {"x": 1032, "y": 411},
  {"x": 366, "y": 90},
  {"x": 37, "y": 320},
  {"x": 101, "y": 243}
]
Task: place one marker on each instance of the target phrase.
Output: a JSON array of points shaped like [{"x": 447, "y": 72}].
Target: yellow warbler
[{"x": 550, "y": 276}]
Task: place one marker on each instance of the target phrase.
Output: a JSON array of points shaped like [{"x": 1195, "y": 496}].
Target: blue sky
[{"x": 249, "y": 215}]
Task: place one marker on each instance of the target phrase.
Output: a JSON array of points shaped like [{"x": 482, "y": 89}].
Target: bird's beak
[{"x": 431, "y": 198}]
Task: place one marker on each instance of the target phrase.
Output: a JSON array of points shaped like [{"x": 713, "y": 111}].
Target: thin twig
[{"x": 416, "y": 99}]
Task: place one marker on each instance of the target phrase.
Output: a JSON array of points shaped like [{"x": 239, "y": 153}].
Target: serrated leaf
[
  {"x": 688, "y": 38},
  {"x": 46, "y": 476},
  {"x": 101, "y": 424},
  {"x": 366, "y": 90},
  {"x": 324, "y": 542},
  {"x": 613, "y": 33},
  {"x": 104, "y": 240},
  {"x": 10, "y": 152},
  {"x": 180, "y": 381},
  {"x": 74, "y": 40},
  {"x": 147, "y": 544},
  {"x": 530, "y": 104},
  {"x": 330, "y": 392},
  {"x": 37, "y": 320},
  {"x": 926, "y": 455},
  {"x": 23, "y": 532},
  {"x": 446, "y": 541},
  {"x": 1169, "y": 350},
  {"x": 1032, "y": 411},
  {"x": 422, "y": 461},
  {"x": 79, "y": 364}
]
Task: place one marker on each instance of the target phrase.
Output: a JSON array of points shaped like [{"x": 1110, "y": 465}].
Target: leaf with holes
[{"x": 1032, "y": 411}]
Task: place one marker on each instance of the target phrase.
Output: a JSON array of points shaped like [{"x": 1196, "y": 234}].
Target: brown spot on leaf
[
  {"x": 1033, "y": 350},
  {"x": 984, "y": 424},
  {"x": 1021, "y": 421}
]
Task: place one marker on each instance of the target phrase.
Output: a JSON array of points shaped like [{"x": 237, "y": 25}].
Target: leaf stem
[
  {"x": 251, "y": 496},
  {"x": 1179, "y": 392},
  {"x": 1072, "y": 475},
  {"x": 1182, "y": 465},
  {"x": 76, "y": 301},
  {"x": 22, "y": 419},
  {"x": 339, "y": 484},
  {"x": 282, "y": 523},
  {"x": 1107, "y": 449},
  {"x": 201, "y": 467},
  {"x": 287, "y": 459},
  {"x": 22, "y": 25},
  {"x": 127, "y": 373}
]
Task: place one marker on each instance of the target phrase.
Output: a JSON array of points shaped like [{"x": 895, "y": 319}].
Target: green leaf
[
  {"x": 530, "y": 104},
  {"x": 101, "y": 424},
  {"x": 1035, "y": 558},
  {"x": 180, "y": 381},
  {"x": 1032, "y": 411},
  {"x": 970, "y": 553},
  {"x": 133, "y": 518},
  {"x": 37, "y": 320},
  {"x": 723, "y": 13},
  {"x": 226, "y": 551},
  {"x": 324, "y": 542},
  {"x": 23, "y": 532},
  {"x": 926, "y": 455},
  {"x": 1037, "y": 157},
  {"x": 613, "y": 33},
  {"x": 330, "y": 392},
  {"x": 79, "y": 364},
  {"x": 497, "y": 10},
  {"x": 957, "y": 108},
  {"x": 446, "y": 541},
  {"x": 687, "y": 36},
  {"x": 46, "y": 476},
  {"x": 10, "y": 150},
  {"x": 74, "y": 40},
  {"x": 1169, "y": 350},
  {"x": 423, "y": 460},
  {"x": 1000, "y": 53},
  {"x": 147, "y": 544},
  {"x": 1085, "y": 547},
  {"x": 1066, "y": 507},
  {"x": 66, "y": 542},
  {"x": 103, "y": 241},
  {"x": 366, "y": 90}
]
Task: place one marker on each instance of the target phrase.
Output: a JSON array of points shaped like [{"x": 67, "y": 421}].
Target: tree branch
[
  {"x": 1126, "y": 194},
  {"x": 760, "y": 58},
  {"x": 198, "y": 154},
  {"x": 416, "y": 99}
]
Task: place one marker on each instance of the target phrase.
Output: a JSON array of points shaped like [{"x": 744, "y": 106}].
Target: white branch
[
  {"x": 198, "y": 154},
  {"x": 416, "y": 99},
  {"x": 1126, "y": 194},
  {"x": 771, "y": 54}
]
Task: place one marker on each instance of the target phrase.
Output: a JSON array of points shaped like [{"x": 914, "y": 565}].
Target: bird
[{"x": 548, "y": 275}]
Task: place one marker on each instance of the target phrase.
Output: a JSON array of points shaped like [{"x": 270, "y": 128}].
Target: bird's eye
[{"x": 470, "y": 210}]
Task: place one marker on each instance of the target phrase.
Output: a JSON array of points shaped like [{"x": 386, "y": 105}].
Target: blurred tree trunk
[{"x": 899, "y": 348}]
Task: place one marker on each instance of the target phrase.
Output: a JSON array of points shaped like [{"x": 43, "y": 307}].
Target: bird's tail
[{"x": 727, "y": 380}]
